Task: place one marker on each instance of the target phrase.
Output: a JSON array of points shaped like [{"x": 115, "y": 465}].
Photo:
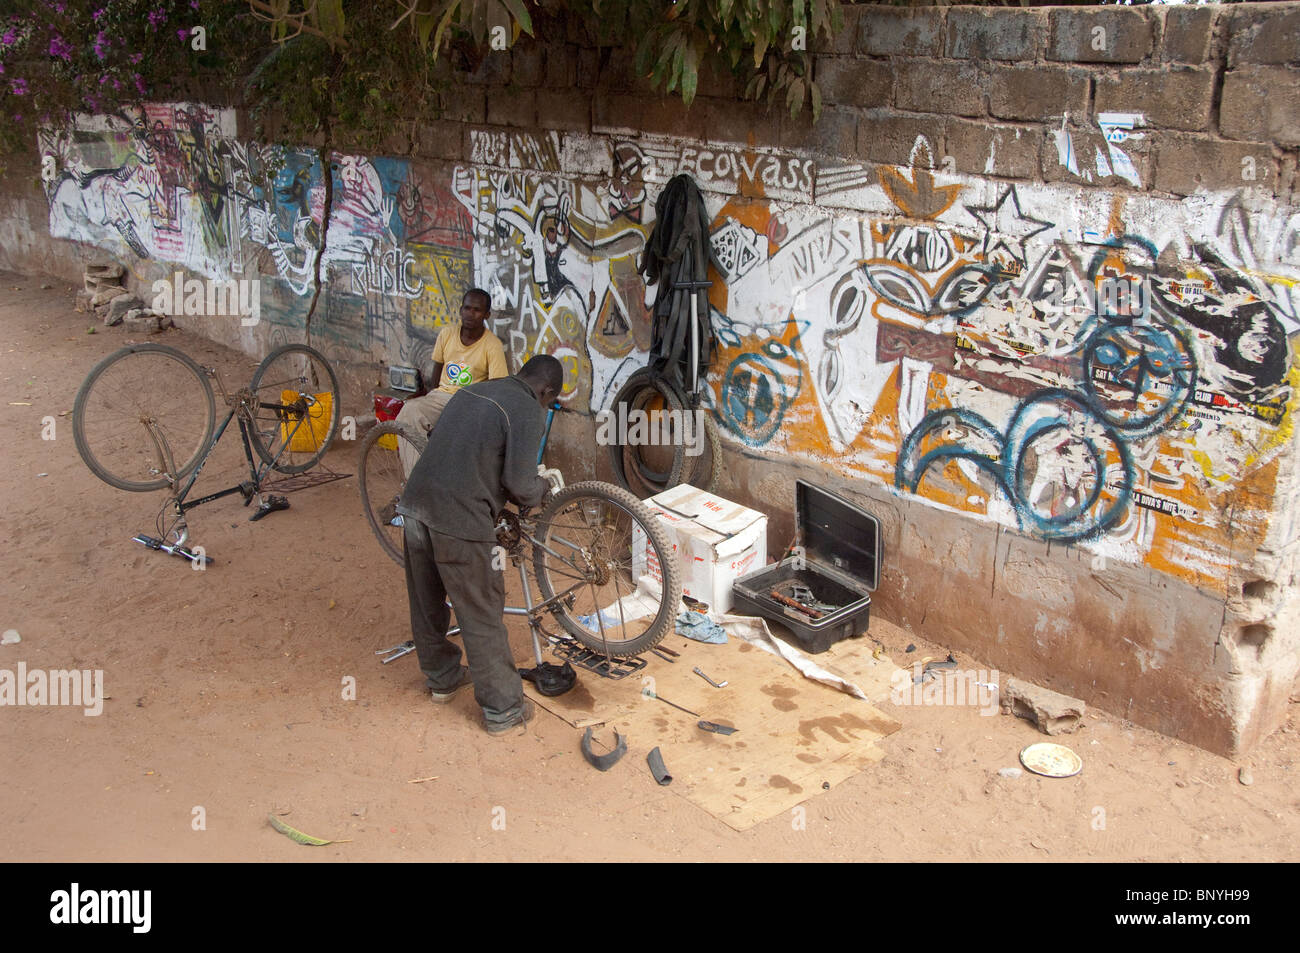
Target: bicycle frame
[{"x": 239, "y": 406}]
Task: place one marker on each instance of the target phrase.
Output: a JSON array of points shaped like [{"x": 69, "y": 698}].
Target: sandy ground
[{"x": 225, "y": 697}]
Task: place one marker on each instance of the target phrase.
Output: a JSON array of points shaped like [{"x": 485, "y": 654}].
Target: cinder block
[
  {"x": 666, "y": 116},
  {"x": 493, "y": 71},
  {"x": 953, "y": 88},
  {"x": 888, "y": 138},
  {"x": 439, "y": 139},
  {"x": 984, "y": 149},
  {"x": 1258, "y": 35},
  {"x": 563, "y": 109},
  {"x": 1169, "y": 98},
  {"x": 1037, "y": 92},
  {"x": 887, "y": 31},
  {"x": 527, "y": 63},
  {"x": 847, "y": 39},
  {"x": 588, "y": 68},
  {"x": 750, "y": 123},
  {"x": 834, "y": 134},
  {"x": 1099, "y": 35},
  {"x": 561, "y": 66},
  {"x": 466, "y": 104},
  {"x": 1261, "y": 104},
  {"x": 1188, "y": 34},
  {"x": 512, "y": 107},
  {"x": 1089, "y": 140},
  {"x": 1184, "y": 164},
  {"x": 854, "y": 82},
  {"x": 995, "y": 33}
]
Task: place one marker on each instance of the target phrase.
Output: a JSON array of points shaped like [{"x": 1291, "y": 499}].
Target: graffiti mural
[{"x": 1112, "y": 370}]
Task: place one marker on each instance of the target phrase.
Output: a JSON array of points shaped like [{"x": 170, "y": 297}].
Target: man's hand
[{"x": 551, "y": 476}]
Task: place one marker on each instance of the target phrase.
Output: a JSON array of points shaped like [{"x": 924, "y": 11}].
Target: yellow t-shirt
[{"x": 483, "y": 360}]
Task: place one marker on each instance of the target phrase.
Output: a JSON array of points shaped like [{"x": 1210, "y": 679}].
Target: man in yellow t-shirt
[{"x": 465, "y": 354}]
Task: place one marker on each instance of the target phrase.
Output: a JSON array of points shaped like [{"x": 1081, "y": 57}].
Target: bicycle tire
[
  {"x": 276, "y": 432},
  {"x": 706, "y": 466},
  {"x": 630, "y": 469},
  {"x": 380, "y": 481},
  {"x": 658, "y": 546},
  {"x": 128, "y": 457}
]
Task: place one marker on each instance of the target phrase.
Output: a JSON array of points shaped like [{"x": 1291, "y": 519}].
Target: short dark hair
[
  {"x": 545, "y": 370},
  {"x": 481, "y": 293}
]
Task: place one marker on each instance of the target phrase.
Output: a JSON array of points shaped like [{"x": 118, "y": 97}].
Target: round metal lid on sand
[{"x": 1051, "y": 760}]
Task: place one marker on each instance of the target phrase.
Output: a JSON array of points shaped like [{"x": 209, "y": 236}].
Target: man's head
[
  {"x": 475, "y": 309},
  {"x": 545, "y": 375}
]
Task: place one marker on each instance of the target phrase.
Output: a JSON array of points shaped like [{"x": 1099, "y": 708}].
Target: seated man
[
  {"x": 481, "y": 453},
  {"x": 464, "y": 354}
]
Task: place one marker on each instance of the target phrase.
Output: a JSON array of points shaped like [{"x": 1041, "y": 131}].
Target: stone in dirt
[
  {"x": 105, "y": 295},
  {"x": 141, "y": 321},
  {"x": 83, "y": 300},
  {"x": 119, "y": 306},
  {"x": 1052, "y": 712}
]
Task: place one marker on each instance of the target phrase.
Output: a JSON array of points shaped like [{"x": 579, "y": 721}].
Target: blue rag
[{"x": 698, "y": 626}]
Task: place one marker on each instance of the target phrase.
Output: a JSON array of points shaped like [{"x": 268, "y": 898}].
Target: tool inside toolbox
[{"x": 799, "y": 596}]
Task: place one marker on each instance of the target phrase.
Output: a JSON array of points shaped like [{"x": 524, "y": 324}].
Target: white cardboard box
[{"x": 715, "y": 542}]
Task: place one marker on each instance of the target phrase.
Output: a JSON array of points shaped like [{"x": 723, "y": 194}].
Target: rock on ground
[{"x": 1052, "y": 712}]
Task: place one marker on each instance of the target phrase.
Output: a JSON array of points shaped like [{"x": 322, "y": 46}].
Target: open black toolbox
[{"x": 839, "y": 563}]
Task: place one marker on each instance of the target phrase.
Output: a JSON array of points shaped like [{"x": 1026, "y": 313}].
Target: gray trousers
[
  {"x": 438, "y": 567},
  {"x": 419, "y": 413}
]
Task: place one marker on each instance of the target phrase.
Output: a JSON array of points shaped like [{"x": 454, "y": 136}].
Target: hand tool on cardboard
[
  {"x": 697, "y": 671},
  {"x": 650, "y": 694},
  {"x": 717, "y": 729},
  {"x": 664, "y": 656}
]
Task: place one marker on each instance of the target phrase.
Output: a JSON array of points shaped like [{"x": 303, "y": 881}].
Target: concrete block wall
[{"x": 1028, "y": 291}]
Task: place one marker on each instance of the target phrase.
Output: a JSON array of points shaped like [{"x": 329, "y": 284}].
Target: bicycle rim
[
  {"x": 648, "y": 468},
  {"x": 297, "y": 412},
  {"x": 380, "y": 481},
  {"x": 597, "y": 547},
  {"x": 135, "y": 389}
]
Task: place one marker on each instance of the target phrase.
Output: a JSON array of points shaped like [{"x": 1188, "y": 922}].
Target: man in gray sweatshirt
[{"x": 481, "y": 453}]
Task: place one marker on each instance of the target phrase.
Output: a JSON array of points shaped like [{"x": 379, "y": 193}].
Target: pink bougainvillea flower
[
  {"x": 60, "y": 47},
  {"x": 18, "y": 87},
  {"x": 183, "y": 33}
]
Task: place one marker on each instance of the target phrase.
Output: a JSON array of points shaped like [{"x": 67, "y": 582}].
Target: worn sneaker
[
  {"x": 443, "y": 697},
  {"x": 388, "y": 514},
  {"x": 526, "y": 713}
]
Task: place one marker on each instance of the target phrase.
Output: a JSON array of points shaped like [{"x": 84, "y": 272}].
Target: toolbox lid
[{"x": 834, "y": 532}]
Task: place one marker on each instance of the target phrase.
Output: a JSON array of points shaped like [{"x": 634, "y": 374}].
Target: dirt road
[{"x": 226, "y": 704}]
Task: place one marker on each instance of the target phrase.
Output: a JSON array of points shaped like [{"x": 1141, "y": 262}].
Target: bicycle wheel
[
  {"x": 129, "y": 397},
  {"x": 380, "y": 481},
  {"x": 297, "y": 408},
  {"x": 653, "y": 465},
  {"x": 612, "y": 563}
]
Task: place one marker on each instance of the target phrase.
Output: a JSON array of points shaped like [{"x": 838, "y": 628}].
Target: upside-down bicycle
[
  {"x": 604, "y": 566},
  {"x": 144, "y": 419}
]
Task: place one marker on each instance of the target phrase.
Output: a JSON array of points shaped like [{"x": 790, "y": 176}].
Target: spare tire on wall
[{"x": 650, "y": 466}]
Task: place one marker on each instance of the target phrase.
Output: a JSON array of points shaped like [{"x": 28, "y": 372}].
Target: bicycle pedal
[{"x": 272, "y": 504}]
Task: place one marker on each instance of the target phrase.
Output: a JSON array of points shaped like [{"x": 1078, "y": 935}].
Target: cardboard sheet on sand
[{"x": 795, "y": 737}]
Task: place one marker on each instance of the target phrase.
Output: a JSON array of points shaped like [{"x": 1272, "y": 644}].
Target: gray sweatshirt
[{"x": 481, "y": 453}]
